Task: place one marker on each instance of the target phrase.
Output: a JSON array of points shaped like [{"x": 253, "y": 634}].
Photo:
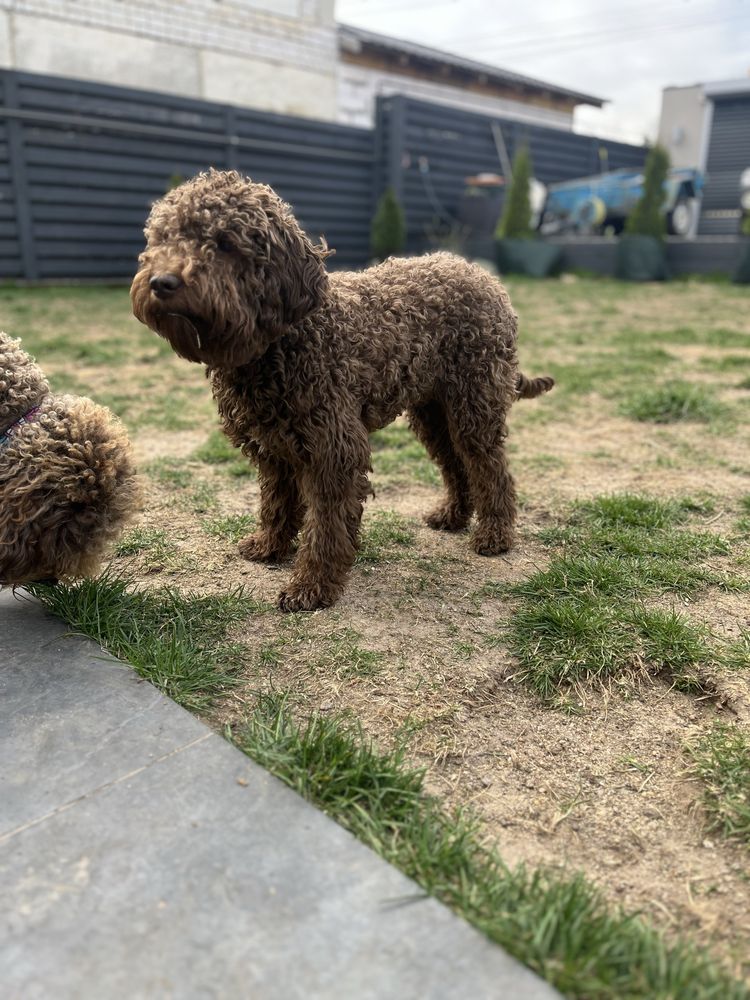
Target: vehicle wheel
[
  {"x": 590, "y": 215},
  {"x": 680, "y": 219}
]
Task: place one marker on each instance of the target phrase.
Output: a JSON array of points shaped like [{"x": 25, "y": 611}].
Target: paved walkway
[{"x": 142, "y": 856}]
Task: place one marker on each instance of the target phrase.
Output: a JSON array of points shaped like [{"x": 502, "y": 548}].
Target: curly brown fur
[
  {"x": 67, "y": 477},
  {"x": 304, "y": 365}
]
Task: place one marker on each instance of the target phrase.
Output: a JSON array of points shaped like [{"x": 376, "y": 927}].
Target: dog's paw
[
  {"x": 492, "y": 542},
  {"x": 308, "y": 597},
  {"x": 447, "y": 519},
  {"x": 260, "y": 548}
]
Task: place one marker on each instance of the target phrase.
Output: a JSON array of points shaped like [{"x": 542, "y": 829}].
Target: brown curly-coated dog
[
  {"x": 67, "y": 478},
  {"x": 305, "y": 364}
]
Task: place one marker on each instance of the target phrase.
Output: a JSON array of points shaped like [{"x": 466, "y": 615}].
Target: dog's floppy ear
[{"x": 296, "y": 278}]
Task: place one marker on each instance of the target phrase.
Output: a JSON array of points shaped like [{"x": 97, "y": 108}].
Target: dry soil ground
[{"x": 418, "y": 648}]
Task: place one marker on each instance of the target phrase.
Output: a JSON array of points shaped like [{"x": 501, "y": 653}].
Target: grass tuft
[
  {"x": 176, "y": 641},
  {"x": 397, "y": 456},
  {"x": 346, "y": 658},
  {"x": 219, "y": 450},
  {"x": 584, "y": 617},
  {"x": 721, "y": 759},
  {"x": 142, "y": 539},
  {"x": 233, "y": 527},
  {"x": 673, "y": 402},
  {"x": 384, "y": 538},
  {"x": 170, "y": 472},
  {"x": 559, "y": 926}
]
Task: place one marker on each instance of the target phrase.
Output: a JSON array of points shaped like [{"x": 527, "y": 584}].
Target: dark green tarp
[
  {"x": 741, "y": 275},
  {"x": 641, "y": 258},
  {"x": 532, "y": 257}
]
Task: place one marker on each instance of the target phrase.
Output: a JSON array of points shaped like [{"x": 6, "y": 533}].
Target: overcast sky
[{"x": 625, "y": 52}]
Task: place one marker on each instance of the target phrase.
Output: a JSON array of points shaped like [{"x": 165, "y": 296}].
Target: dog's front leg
[
  {"x": 281, "y": 512},
  {"x": 334, "y": 487}
]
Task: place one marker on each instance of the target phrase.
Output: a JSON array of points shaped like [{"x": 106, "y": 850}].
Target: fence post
[
  {"x": 230, "y": 133},
  {"x": 19, "y": 181},
  {"x": 394, "y": 167}
]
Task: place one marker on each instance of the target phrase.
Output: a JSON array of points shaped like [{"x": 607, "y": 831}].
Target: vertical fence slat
[{"x": 22, "y": 201}]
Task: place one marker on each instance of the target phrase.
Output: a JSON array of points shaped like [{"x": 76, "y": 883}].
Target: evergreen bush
[
  {"x": 647, "y": 218},
  {"x": 388, "y": 232},
  {"x": 515, "y": 222}
]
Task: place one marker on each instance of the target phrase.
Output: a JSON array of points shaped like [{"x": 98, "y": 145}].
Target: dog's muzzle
[{"x": 164, "y": 285}]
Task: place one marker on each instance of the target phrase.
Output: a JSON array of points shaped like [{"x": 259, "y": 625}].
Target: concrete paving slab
[
  {"x": 65, "y": 729},
  {"x": 142, "y": 856}
]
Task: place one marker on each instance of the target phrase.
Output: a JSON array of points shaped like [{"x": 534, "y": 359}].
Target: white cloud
[{"x": 627, "y": 53}]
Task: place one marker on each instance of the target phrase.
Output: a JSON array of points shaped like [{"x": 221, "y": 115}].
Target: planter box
[
  {"x": 741, "y": 274},
  {"x": 531, "y": 257},
  {"x": 641, "y": 258}
]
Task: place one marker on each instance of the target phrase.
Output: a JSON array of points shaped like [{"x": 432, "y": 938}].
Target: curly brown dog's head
[{"x": 226, "y": 270}]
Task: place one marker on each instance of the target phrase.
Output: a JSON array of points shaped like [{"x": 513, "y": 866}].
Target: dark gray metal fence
[
  {"x": 728, "y": 157},
  {"x": 426, "y": 152},
  {"x": 81, "y": 163}
]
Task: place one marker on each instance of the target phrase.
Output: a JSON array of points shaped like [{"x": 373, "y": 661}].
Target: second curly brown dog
[
  {"x": 68, "y": 483},
  {"x": 304, "y": 365}
]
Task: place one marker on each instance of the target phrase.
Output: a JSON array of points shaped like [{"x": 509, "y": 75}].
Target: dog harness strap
[{"x": 27, "y": 418}]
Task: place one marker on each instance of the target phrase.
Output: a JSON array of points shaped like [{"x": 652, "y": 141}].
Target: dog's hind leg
[
  {"x": 429, "y": 424},
  {"x": 281, "y": 513},
  {"x": 479, "y": 431}
]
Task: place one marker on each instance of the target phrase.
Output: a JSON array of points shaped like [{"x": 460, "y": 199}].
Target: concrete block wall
[{"x": 274, "y": 55}]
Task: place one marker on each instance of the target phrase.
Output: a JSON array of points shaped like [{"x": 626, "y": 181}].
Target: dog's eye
[{"x": 224, "y": 244}]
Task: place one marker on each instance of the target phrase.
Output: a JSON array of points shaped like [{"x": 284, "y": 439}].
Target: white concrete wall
[
  {"x": 683, "y": 123},
  {"x": 358, "y": 87},
  {"x": 277, "y": 55},
  {"x": 296, "y": 91}
]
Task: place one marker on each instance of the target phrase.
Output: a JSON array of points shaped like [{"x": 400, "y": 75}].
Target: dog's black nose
[{"x": 164, "y": 284}]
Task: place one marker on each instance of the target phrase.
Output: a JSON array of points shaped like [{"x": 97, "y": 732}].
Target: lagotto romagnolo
[
  {"x": 67, "y": 476},
  {"x": 305, "y": 364}
]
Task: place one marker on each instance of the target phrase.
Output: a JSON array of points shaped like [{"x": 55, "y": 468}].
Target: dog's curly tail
[{"x": 528, "y": 388}]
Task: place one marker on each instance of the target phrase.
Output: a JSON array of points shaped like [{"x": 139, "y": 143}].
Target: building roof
[
  {"x": 357, "y": 39},
  {"x": 727, "y": 88}
]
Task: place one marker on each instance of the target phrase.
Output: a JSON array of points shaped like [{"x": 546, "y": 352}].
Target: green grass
[
  {"x": 170, "y": 472},
  {"x": 397, "y": 456},
  {"x": 233, "y": 527},
  {"x": 150, "y": 543},
  {"x": 743, "y": 521},
  {"x": 566, "y": 639},
  {"x": 721, "y": 759},
  {"x": 218, "y": 450},
  {"x": 590, "y": 615},
  {"x": 673, "y": 402},
  {"x": 385, "y": 537},
  {"x": 727, "y": 362},
  {"x": 600, "y": 371},
  {"x": 178, "y": 642},
  {"x": 736, "y": 654},
  {"x": 142, "y": 539},
  {"x": 203, "y": 498},
  {"x": 345, "y": 657},
  {"x": 708, "y": 336},
  {"x": 559, "y": 926}
]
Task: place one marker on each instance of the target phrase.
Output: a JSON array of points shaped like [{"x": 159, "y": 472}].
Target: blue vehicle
[{"x": 596, "y": 204}]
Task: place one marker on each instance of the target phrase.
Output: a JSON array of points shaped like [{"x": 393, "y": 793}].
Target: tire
[
  {"x": 590, "y": 215},
  {"x": 681, "y": 218}
]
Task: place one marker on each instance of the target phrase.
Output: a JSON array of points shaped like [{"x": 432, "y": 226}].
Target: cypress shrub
[
  {"x": 647, "y": 218},
  {"x": 515, "y": 222},
  {"x": 388, "y": 231}
]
